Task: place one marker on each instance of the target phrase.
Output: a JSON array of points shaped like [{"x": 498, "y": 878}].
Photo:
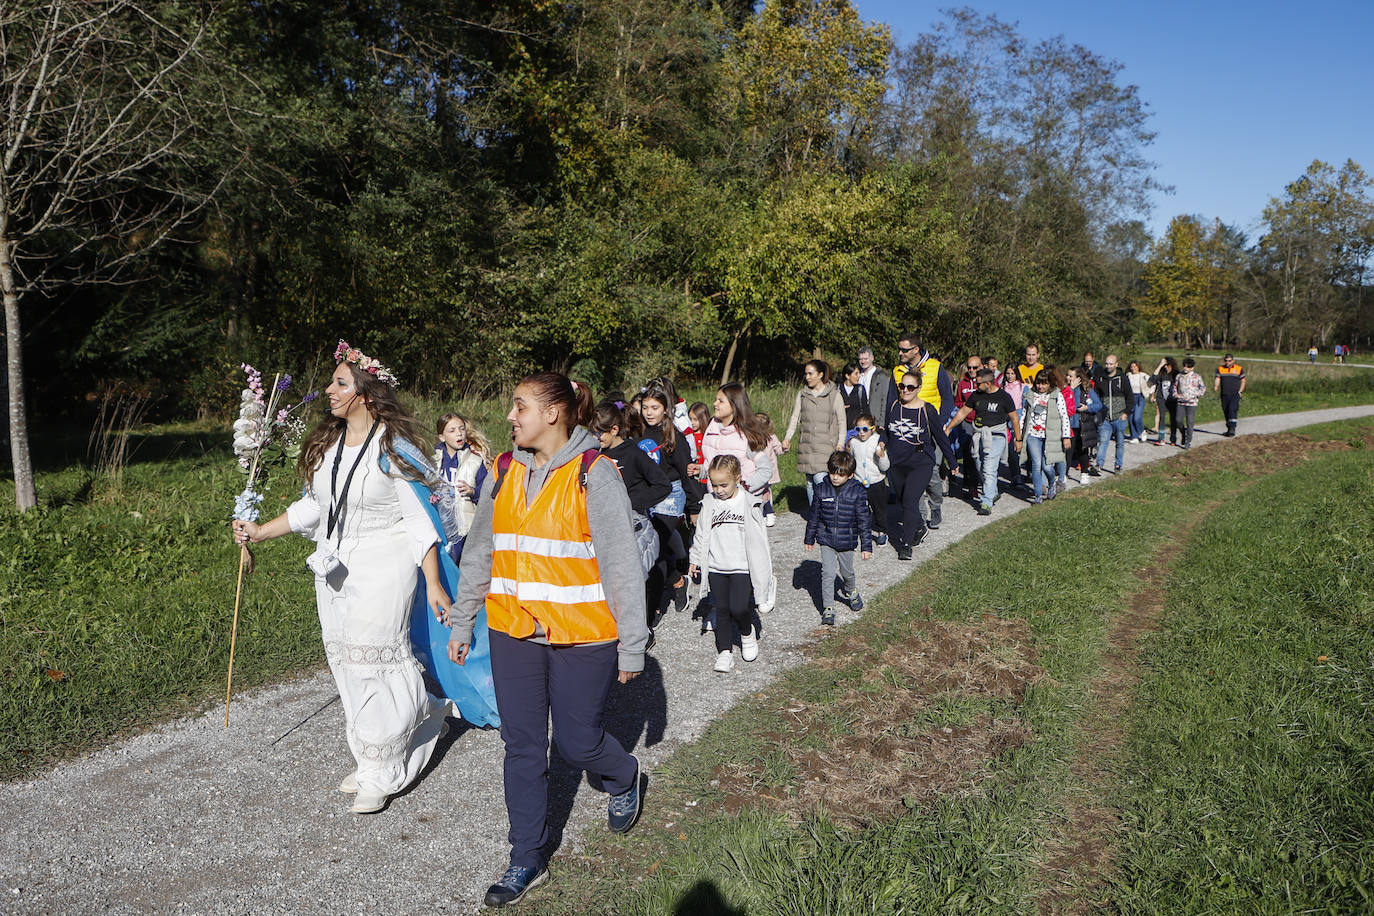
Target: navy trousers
[{"x": 533, "y": 681}]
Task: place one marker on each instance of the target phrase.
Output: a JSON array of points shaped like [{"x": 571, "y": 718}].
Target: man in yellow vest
[{"x": 937, "y": 389}]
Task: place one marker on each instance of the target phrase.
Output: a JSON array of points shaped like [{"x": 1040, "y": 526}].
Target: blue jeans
[
  {"x": 1042, "y": 472},
  {"x": 811, "y": 481},
  {"x": 1035, "y": 447},
  {"x": 1138, "y": 419},
  {"x": 989, "y": 443},
  {"x": 1116, "y": 429}
]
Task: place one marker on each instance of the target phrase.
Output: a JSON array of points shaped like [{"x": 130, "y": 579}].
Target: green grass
[
  {"x": 116, "y": 607},
  {"x": 966, "y": 853},
  {"x": 1249, "y": 766},
  {"x": 1064, "y": 569}
]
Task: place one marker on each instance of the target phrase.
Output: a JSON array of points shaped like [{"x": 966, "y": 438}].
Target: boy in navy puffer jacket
[{"x": 840, "y": 522}]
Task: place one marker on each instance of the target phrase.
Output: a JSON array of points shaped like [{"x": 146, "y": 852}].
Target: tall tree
[
  {"x": 1316, "y": 246},
  {"x": 1180, "y": 280},
  {"x": 95, "y": 155},
  {"x": 803, "y": 80}
]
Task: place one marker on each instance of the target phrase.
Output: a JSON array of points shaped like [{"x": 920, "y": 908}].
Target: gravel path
[{"x": 194, "y": 818}]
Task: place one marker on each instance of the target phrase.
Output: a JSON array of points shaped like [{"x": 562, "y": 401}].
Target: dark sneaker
[
  {"x": 921, "y": 537},
  {"x": 622, "y": 811},
  {"x": 1094, "y": 472},
  {"x": 904, "y": 553},
  {"x": 828, "y": 617},
  {"x": 1117, "y": 469},
  {"x": 856, "y": 602},
  {"x": 879, "y": 539},
  {"x": 985, "y": 509},
  {"x": 935, "y": 520},
  {"x": 652, "y": 640},
  {"x": 680, "y": 595},
  {"x": 514, "y": 884}
]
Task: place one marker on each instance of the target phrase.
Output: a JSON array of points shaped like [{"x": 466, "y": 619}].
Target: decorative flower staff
[{"x": 257, "y": 441}]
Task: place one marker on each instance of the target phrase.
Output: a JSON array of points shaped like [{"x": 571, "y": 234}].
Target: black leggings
[
  {"x": 733, "y": 596},
  {"x": 908, "y": 483},
  {"x": 877, "y": 506},
  {"x": 664, "y": 573}
]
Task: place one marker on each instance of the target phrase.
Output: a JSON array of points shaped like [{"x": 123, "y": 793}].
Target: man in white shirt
[{"x": 875, "y": 380}]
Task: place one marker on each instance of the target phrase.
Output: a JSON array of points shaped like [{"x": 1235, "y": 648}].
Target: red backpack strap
[{"x": 503, "y": 462}]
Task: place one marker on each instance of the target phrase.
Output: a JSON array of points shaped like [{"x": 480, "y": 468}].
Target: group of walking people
[{"x": 548, "y": 566}]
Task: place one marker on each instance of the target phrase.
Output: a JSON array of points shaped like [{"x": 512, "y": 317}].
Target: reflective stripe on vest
[{"x": 543, "y": 564}]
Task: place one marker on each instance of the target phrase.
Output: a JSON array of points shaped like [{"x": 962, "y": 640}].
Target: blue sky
[{"x": 1244, "y": 95}]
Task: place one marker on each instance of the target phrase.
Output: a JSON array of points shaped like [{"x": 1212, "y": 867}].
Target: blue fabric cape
[{"x": 468, "y": 685}]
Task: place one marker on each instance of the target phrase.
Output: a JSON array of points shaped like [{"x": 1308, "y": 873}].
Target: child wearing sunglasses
[{"x": 870, "y": 469}]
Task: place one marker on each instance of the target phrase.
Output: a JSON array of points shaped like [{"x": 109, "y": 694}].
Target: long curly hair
[{"x": 383, "y": 405}]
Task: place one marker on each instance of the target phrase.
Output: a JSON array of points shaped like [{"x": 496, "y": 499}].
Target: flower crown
[{"x": 343, "y": 353}]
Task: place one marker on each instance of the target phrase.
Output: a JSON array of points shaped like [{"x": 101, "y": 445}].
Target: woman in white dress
[{"x": 372, "y": 531}]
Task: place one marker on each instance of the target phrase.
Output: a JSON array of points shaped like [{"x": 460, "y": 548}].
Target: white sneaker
[
  {"x": 771, "y": 519},
  {"x": 725, "y": 662},
  {"x": 749, "y": 647},
  {"x": 349, "y": 786},
  {"x": 368, "y": 802}
]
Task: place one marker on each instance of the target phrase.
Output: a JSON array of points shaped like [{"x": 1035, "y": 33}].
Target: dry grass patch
[
  {"x": 1249, "y": 455},
  {"x": 929, "y": 715}
]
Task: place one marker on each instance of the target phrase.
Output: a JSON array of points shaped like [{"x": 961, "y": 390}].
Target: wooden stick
[
  {"x": 234, "y": 633},
  {"x": 245, "y": 556}
]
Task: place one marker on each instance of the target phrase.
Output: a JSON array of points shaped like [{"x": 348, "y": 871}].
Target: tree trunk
[
  {"x": 25, "y": 496},
  {"x": 730, "y": 355}
]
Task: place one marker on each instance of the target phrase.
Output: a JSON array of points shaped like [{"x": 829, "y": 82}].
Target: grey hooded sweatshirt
[{"x": 613, "y": 539}]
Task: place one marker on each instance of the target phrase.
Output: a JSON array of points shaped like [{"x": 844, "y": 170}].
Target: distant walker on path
[{"x": 1230, "y": 384}]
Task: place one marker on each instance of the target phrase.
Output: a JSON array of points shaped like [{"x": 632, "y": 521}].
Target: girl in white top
[
  {"x": 1140, "y": 387},
  {"x": 731, "y": 548},
  {"x": 463, "y": 459},
  {"x": 372, "y": 532}
]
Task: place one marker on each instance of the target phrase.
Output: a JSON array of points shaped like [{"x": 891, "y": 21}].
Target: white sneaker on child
[
  {"x": 770, "y": 519},
  {"x": 725, "y": 662},
  {"x": 749, "y": 647}
]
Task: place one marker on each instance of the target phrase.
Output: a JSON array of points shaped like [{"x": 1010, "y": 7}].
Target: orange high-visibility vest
[{"x": 543, "y": 564}]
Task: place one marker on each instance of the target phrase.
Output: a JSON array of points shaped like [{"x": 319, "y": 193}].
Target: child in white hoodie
[
  {"x": 870, "y": 458},
  {"x": 731, "y": 549}
]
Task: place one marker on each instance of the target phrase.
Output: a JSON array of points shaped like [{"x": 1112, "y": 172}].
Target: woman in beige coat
[{"x": 819, "y": 410}]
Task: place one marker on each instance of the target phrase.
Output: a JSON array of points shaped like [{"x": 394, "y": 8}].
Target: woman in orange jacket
[{"x": 552, "y": 556}]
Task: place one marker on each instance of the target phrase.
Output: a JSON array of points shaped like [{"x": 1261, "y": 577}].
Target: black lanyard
[{"x": 336, "y": 503}]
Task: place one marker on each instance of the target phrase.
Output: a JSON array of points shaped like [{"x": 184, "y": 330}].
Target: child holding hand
[
  {"x": 731, "y": 549},
  {"x": 870, "y": 469},
  {"x": 840, "y": 522}
]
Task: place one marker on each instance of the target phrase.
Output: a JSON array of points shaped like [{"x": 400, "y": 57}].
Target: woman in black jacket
[
  {"x": 915, "y": 438},
  {"x": 854, "y": 395},
  {"x": 1163, "y": 380}
]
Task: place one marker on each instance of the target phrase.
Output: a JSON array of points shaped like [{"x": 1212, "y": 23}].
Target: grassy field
[
  {"x": 1249, "y": 771},
  {"x": 116, "y": 605},
  {"x": 975, "y": 740}
]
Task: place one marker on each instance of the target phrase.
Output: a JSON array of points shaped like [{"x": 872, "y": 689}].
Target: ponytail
[{"x": 573, "y": 399}]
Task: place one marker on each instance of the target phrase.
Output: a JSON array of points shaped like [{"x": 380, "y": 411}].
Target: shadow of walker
[
  {"x": 636, "y": 716},
  {"x": 704, "y": 899}
]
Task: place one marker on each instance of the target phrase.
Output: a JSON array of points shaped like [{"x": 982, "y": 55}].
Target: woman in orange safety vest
[{"x": 552, "y": 556}]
